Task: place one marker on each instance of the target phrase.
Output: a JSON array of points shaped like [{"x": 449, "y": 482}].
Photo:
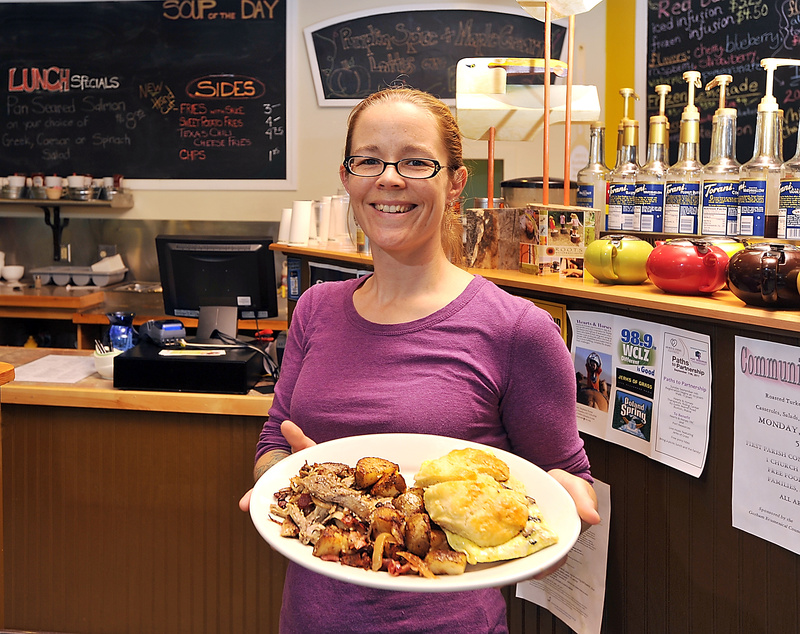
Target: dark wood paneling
[{"x": 120, "y": 521}]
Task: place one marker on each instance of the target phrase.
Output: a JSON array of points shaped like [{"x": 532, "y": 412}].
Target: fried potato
[
  {"x": 390, "y": 485},
  {"x": 370, "y": 470},
  {"x": 417, "y": 534},
  {"x": 410, "y": 501},
  {"x": 438, "y": 539},
  {"x": 446, "y": 562},
  {"x": 331, "y": 542},
  {"x": 386, "y": 519}
]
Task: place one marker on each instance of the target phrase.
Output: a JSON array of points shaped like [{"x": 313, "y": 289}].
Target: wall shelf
[{"x": 52, "y": 212}]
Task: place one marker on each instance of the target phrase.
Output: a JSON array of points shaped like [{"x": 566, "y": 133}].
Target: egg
[{"x": 534, "y": 537}]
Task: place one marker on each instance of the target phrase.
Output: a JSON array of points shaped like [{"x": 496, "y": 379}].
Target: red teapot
[
  {"x": 766, "y": 274},
  {"x": 688, "y": 266}
]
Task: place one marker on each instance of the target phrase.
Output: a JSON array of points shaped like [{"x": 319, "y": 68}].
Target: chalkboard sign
[
  {"x": 357, "y": 54},
  {"x": 173, "y": 89},
  {"x": 724, "y": 37}
]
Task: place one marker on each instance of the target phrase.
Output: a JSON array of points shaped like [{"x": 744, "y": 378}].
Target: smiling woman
[{"x": 420, "y": 346}]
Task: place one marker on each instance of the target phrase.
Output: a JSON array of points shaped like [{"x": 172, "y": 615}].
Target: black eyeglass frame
[{"x": 437, "y": 167}]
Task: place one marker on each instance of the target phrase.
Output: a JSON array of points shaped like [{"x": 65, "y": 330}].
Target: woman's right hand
[{"x": 297, "y": 441}]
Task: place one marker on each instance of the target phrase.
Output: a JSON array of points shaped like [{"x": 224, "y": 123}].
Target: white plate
[{"x": 408, "y": 451}]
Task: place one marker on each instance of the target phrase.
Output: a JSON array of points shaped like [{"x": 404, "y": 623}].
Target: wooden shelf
[
  {"x": 722, "y": 306},
  {"x": 120, "y": 201}
]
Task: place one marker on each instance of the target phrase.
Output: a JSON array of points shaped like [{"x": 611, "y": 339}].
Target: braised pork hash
[{"x": 464, "y": 508}]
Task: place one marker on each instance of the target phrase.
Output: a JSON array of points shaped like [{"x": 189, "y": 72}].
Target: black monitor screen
[{"x": 217, "y": 271}]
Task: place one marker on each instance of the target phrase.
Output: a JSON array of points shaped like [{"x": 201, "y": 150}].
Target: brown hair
[{"x": 452, "y": 242}]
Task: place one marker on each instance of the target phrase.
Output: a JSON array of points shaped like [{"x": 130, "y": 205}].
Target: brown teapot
[{"x": 765, "y": 274}]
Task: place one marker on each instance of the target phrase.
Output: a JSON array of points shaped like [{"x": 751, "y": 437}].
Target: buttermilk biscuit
[
  {"x": 481, "y": 509},
  {"x": 461, "y": 464}
]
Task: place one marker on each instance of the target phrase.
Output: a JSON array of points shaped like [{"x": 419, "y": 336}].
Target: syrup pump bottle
[
  {"x": 622, "y": 179},
  {"x": 682, "y": 197},
  {"x": 760, "y": 177},
  {"x": 648, "y": 212},
  {"x": 592, "y": 179},
  {"x": 720, "y": 206},
  {"x": 789, "y": 198}
]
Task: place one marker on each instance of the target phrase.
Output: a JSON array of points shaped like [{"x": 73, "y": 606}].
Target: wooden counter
[
  {"x": 49, "y": 296},
  {"x": 98, "y": 393},
  {"x": 120, "y": 510}
]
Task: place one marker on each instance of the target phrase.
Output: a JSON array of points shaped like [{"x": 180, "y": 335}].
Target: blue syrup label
[
  {"x": 752, "y": 207},
  {"x": 720, "y": 214},
  {"x": 649, "y": 203}
]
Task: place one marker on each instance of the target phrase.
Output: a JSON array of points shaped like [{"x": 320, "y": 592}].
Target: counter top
[
  {"x": 96, "y": 392},
  {"x": 6, "y": 373},
  {"x": 50, "y": 296},
  {"x": 721, "y": 306}
]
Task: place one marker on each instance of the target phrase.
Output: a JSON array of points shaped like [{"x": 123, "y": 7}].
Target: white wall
[{"x": 320, "y": 131}]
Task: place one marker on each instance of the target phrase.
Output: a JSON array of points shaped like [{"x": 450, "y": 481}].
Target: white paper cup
[
  {"x": 286, "y": 225},
  {"x": 301, "y": 221}
]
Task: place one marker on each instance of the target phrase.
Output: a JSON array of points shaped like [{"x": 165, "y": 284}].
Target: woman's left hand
[{"x": 585, "y": 502}]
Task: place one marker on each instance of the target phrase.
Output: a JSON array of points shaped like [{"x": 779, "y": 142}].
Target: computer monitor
[{"x": 217, "y": 271}]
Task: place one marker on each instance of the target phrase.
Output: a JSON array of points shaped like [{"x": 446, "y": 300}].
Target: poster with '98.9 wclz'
[{"x": 645, "y": 386}]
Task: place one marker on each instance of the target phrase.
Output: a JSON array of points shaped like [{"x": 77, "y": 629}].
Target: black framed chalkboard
[
  {"x": 357, "y": 54},
  {"x": 149, "y": 90},
  {"x": 724, "y": 37}
]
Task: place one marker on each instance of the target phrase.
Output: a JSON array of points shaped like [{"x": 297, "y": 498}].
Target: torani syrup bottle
[
  {"x": 648, "y": 213},
  {"x": 719, "y": 213},
  {"x": 593, "y": 179},
  {"x": 622, "y": 179},
  {"x": 682, "y": 198},
  {"x": 760, "y": 177}
]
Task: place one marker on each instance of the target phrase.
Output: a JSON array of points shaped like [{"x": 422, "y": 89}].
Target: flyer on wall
[
  {"x": 644, "y": 386},
  {"x": 766, "y": 442}
]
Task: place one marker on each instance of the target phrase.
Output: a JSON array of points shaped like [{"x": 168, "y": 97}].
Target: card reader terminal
[{"x": 163, "y": 332}]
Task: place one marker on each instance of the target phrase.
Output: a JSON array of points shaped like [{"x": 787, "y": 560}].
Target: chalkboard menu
[
  {"x": 358, "y": 54},
  {"x": 724, "y": 37},
  {"x": 174, "y": 89}
]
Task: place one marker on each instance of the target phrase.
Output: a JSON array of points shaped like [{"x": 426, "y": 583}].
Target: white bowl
[
  {"x": 104, "y": 363},
  {"x": 13, "y": 272}
]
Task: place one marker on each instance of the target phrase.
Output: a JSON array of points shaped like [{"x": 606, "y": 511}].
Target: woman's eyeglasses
[{"x": 370, "y": 167}]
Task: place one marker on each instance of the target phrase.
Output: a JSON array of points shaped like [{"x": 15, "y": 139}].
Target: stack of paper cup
[
  {"x": 324, "y": 207},
  {"x": 339, "y": 235},
  {"x": 301, "y": 221},
  {"x": 285, "y": 226},
  {"x": 313, "y": 225},
  {"x": 323, "y": 212}
]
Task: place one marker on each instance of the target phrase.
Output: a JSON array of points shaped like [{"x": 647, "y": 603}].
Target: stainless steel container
[{"x": 518, "y": 192}]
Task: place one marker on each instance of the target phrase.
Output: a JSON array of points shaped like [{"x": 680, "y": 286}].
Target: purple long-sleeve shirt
[{"x": 488, "y": 367}]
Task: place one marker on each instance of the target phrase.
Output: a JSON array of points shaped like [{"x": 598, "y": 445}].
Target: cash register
[{"x": 216, "y": 280}]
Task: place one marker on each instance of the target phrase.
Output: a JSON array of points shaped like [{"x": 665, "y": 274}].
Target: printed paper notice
[
  {"x": 56, "y": 368},
  {"x": 575, "y": 593},
  {"x": 645, "y": 386},
  {"x": 766, "y": 449}
]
